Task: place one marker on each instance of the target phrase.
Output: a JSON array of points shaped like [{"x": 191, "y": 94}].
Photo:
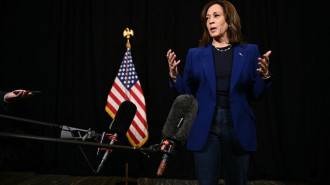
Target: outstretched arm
[{"x": 16, "y": 95}]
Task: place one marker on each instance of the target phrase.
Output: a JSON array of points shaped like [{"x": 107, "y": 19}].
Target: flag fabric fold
[{"x": 127, "y": 86}]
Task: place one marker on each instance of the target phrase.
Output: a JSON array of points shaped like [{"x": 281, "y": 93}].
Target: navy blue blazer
[{"x": 246, "y": 84}]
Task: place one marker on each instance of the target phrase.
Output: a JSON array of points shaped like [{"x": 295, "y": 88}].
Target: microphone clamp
[
  {"x": 167, "y": 146},
  {"x": 112, "y": 138}
]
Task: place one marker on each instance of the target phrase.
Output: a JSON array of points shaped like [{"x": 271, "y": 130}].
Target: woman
[{"x": 224, "y": 75}]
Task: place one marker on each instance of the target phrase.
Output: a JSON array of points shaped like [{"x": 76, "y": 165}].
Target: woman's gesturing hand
[
  {"x": 263, "y": 69},
  {"x": 172, "y": 64}
]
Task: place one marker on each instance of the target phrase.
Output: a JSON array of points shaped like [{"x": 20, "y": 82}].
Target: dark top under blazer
[{"x": 245, "y": 85}]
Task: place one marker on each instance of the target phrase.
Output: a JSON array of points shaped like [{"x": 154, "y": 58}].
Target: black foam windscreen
[
  {"x": 123, "y": 118},
  {"x": 180, "y": 118}
]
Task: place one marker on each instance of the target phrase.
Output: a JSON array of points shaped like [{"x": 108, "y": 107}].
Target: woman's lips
[{"x": 212, "y": 30}]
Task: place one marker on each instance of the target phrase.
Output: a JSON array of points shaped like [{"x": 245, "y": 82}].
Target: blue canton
[{"x": 127, "y": 74}]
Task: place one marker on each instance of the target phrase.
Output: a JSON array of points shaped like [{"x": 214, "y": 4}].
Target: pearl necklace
[{"x": 223, "y": 50}]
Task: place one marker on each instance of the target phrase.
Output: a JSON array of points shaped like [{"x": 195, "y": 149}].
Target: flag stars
[{"x": 127, "y": 74}]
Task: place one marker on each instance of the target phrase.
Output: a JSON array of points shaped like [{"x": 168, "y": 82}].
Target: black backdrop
[{"x": 72, "y": 50}]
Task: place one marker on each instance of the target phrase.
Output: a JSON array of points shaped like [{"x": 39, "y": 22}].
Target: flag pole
[
  {"x": 127, "y": 86},
  {"x": 127, "y": 33}
]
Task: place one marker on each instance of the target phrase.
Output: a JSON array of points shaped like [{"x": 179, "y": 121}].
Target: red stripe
[
  {"x": 132, "y": 136},
  {"x": 120, "y": 91},
  {"x": 138, "y": 129},
  {"x": 115, "y": 99},
  {"x": 138, "y": 87},
  {"x": 112, "y": 95},
  {"x": 112, "y": 109},
  {"x": 136, "y": 98},
  {"x": 139, "y": 116}
]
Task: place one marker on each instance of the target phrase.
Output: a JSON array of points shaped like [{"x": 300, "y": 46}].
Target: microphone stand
[
  {"x": 106, "y": 154},
  {"x": 75, "y": 136},
  {"x": 65, "y": 141},
  {"x": 68, "y": 132},
  {"x": 166, "y": 148}
]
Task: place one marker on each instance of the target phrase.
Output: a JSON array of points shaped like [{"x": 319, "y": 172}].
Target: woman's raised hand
[{"x": 172, "y": 64}]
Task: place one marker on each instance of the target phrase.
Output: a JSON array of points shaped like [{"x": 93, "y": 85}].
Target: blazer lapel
[
  {"x": 206, "y": 59},
  {"x": 239, "y": 56}
]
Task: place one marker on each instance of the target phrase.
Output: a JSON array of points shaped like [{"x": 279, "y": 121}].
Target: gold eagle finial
[{"x": 128, "y": 33}]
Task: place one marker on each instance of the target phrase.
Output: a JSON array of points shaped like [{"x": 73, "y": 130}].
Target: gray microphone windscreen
[
  {"x": 180, "y": 118},
  {"x": 123, "y": 118}
]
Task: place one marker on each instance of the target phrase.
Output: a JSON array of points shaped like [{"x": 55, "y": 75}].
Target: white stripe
[
  {"x": 139, "y": 124},
  {"x": 138, "y": 94},
  {"x": 122, "y": 87},
  {"x": 135, "y": 133},
  {"x": 115, "y": 91},
  {"x": 117, "y": 95},
  {"x": 113, "y": 103},
  {"x": 139, "y": 109}
]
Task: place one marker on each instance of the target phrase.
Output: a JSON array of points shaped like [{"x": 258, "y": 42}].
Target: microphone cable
[{"x": 83, "y": 152}]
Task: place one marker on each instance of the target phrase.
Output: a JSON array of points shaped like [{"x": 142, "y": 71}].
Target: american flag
[{"x": 127, "y": 87}]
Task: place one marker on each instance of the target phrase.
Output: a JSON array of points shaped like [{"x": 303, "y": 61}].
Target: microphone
[
  {"x": 177, "y": 126},
  {"x": 119, "y": 125}
]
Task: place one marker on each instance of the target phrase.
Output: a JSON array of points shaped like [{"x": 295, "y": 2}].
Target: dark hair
[{"x": 232, "y": 18}]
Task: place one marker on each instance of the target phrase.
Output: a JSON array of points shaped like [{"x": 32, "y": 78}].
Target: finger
[
  {"x": 263, "y": 64},
  {"x": 19, "y": 95},
  {"x": 172, "y": 58},
  {"x": 259, "y": 70},
  {"x": 176, "y": 63},
  {"x": 263, "y": 61},
  {"x": 169, "y": 56},
  {"x": 267, "y": 54},
  {"x": 168, "y": 53}
]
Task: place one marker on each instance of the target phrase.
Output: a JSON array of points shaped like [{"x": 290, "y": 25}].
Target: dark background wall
[{"x": 72, "y": 50}]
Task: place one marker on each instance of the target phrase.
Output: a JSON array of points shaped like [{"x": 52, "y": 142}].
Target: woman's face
[{"x": 216, "y": 22}]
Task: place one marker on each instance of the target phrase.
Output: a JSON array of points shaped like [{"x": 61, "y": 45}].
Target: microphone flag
[
  {"x": 177, "y": 127},
  {"x": 119, "y": 126},
  {"x": 127, "y": 87},
  {"x": 180, "y": 118}
]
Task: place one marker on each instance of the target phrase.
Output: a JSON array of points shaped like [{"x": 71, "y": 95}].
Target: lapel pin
[{"x": 240, "y": 53}]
